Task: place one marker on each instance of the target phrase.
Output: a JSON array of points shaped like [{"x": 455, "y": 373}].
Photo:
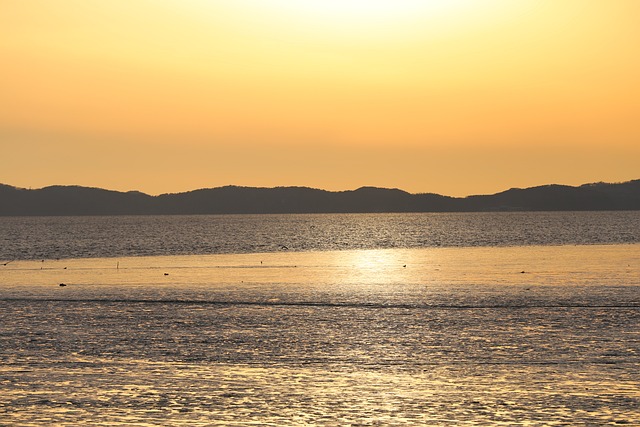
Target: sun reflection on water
[{"x": 473, "y": 336}]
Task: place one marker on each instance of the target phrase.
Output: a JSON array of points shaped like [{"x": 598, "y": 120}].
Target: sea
[{"x": 429, "y": 319}]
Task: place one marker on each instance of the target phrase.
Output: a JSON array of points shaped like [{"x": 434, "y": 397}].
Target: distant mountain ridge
[{"x": 77, "y": 200}]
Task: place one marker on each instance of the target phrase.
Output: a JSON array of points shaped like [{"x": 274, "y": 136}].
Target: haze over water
[
  {"x": 415, "y": 319},
  {"x": 520, "y": 319}
]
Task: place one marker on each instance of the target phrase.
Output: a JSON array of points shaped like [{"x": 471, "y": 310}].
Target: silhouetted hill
[
  {"x": 72, "y": 200},
  {"x": 75, "y": 200},
  {"x": 599, "y": 196}
]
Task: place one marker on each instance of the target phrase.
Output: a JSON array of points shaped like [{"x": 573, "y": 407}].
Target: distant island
[{"x": 76, "y": 200}]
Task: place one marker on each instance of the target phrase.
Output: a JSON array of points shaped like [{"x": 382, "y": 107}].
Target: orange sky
[{"x": 456, "y": 97}]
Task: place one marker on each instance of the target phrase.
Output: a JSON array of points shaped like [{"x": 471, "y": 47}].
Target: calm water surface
[
  {"x": 91, "y": 237},
  {"x": 479, "y": 333}
]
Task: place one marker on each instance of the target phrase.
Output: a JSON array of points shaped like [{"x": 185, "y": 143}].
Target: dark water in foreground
[{"x": 504, "y": 334}]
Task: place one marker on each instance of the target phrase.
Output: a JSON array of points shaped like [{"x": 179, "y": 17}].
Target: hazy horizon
[
  {"x": 303, "y": 186},
  {"x": 301, "y": 307},
  {"x": 454, "y": 97}
]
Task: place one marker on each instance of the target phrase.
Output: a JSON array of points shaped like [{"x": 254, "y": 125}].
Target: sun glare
[
  {"x": 346, "y": 20},
  {"x": 365, "y": 12},
  {"x": 353, "y": 16},
  {"x": 353, "y": 10}
]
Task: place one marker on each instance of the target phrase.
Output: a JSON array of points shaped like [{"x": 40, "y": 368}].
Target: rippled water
[
  {"x": 528, "y": 335},
  {"x": 118, "y": 236}
]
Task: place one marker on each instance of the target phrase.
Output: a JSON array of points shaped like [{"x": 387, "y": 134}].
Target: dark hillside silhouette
[{"x": 75, "y": 200}]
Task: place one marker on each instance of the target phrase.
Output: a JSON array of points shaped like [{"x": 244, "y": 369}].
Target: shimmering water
[
  {"x": 91, "y": 237},
  {"x": 487, "y": 335}
]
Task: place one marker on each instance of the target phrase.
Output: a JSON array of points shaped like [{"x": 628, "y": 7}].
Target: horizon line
[{"x": 314, "y": 188}]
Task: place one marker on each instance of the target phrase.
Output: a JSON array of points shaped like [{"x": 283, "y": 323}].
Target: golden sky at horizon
[{"x": 455, "y": 97}]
